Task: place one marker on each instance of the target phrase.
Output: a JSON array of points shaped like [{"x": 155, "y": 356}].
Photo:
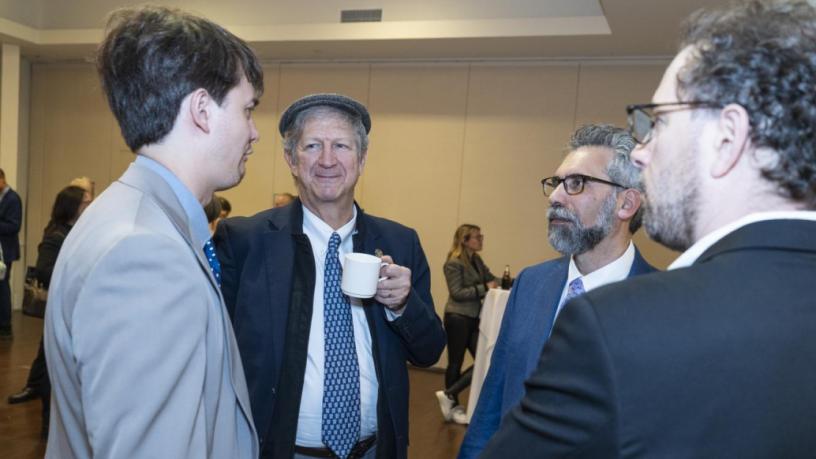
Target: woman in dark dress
[{"x": 68, "y": 206}]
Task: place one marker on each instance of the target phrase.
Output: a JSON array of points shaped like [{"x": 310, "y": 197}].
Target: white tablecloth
[{"x": 490, "y": 322}]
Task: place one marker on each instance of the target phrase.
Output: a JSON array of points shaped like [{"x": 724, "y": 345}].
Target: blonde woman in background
[{"x": 468, "y": 280}]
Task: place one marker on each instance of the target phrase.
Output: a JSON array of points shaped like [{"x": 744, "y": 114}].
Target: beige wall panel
[
  {"x": 71, "y": 131},
  {"x": 34, "y": 203},
  {"x": 298, "y": 80},
  {"x": 413, "y": 168},
  {"x": 519, "y": 118},
  {"x": 604, "y": 91},
  {"x": 254, "y": 193}
]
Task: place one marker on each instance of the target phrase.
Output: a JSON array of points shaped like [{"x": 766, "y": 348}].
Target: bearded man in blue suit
[{"x": 595, "y": 208}]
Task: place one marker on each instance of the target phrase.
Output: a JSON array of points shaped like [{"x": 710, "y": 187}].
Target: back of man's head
[
  {"x": 621, "y": 170},
  {"x": 153, "y": 57},
  {"x": 762, "y": 55}
]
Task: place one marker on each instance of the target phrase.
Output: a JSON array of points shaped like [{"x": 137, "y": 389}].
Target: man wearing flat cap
[{"x": 326, "y": 372}]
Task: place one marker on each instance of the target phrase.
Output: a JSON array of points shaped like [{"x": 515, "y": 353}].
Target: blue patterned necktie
[
  {"x": 576, "y": 287},
  {"x": 341, "y": 385},
  {"x": 215, "y": 266}
]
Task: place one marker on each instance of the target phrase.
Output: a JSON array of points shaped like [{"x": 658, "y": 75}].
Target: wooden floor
[{"x": 431, "y": 437}]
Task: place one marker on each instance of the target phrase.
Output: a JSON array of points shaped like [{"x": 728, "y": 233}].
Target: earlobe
[{"x": 733, "y": 130}]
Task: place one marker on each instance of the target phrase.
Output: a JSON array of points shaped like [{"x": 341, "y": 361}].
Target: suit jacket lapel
[
  {"x": 154, "y": 187},
  {"x": 279, "y": 249},
  {"x": 553, "y": 285}
]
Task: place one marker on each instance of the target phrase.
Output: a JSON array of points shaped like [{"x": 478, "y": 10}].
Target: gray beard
[
  {"x": 673, "y": 225},
  {"x": 575, "y": 239}
]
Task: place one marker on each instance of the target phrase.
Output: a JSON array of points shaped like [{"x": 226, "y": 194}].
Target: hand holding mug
[{"x": 393, "y": 290}]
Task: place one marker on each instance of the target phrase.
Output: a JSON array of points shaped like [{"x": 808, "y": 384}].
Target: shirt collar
[
  {"x": 192, "y": 208},
  {"x": 615, "y": 271},
  {"x": 322, "y": 231},
  {"x": 691, "y": 255}
]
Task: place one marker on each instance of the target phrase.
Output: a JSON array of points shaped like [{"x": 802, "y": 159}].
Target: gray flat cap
[{"x": 338, "y": 101}]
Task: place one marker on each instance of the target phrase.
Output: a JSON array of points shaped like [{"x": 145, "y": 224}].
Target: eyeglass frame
[
  {"x": 642, "y": 108},
  {"x": 584, "y": 178}
]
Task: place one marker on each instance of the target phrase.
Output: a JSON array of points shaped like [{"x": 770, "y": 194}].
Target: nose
[
  {"x": 254, "y": 135},
  {"x": 558, "y": 195},
  {"x": 327, "y": 156},
  {"x": 641, "y": 156}
]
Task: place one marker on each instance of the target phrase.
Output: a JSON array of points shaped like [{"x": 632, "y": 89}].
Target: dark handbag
[{"x": 34, "y": 298}]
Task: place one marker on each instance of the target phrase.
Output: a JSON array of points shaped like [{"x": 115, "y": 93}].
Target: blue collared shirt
[{"x": 192, "y": 208}]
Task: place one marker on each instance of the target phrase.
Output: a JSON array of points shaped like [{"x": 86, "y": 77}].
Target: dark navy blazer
[
  {"x": 712, "y": 360},
  {"x": 526, "y": 325},
  {"x": 11, "y": 218},
  {"x": 268, "y": 285}
]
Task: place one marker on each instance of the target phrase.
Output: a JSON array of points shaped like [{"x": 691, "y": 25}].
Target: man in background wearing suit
[
  {"x": 11, "y": 218},
  {"x": 327, "y": 373},
  {"x": 713, "y": 358},
  {"x": 595, "y": 207},
  {"x": 138, "y": 342}
]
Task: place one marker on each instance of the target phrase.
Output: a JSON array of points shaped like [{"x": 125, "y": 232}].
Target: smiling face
[
  {"x": 326, "y": 161},
  {"x": 577, "y": 223},
  {"x": 236, "y": 134}
]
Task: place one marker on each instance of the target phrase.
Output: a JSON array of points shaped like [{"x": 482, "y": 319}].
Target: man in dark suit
[
  {"x": 595, "y": 208},
  {"x": 327, "y": 373},
  {"x": 11, "y": 218},
  {"x": 713, "y": 358}
]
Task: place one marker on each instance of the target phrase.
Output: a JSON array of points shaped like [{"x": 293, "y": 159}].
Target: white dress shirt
[
  {"x": 310, "y": 419},
  {"x": 615, "y": 271},
  {"x": 691, "y": 255}
]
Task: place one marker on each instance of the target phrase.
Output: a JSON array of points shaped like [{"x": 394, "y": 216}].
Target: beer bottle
[{"x": 506, "y": 282}]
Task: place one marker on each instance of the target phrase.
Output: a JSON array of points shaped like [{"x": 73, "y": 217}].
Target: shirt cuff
[{"x": 394, "y": 315}]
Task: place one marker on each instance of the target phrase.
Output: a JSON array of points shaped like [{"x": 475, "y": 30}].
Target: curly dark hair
[
  {"x": 153, "y": 57},
  {"x": 761, "y": 54}
]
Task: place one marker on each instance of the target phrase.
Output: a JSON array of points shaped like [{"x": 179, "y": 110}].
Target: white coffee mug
[{"x": 361, "y": 273}]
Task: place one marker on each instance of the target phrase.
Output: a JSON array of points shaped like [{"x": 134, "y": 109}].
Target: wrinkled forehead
[{"x": 667, "y": 89}]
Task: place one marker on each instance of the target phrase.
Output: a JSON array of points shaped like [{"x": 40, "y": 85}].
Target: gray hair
[
  {"x": 620, "y": 170},
  {"x": 292, "y": 135}
]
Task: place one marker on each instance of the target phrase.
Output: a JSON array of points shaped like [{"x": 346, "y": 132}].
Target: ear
[
  {"x": 733, "y": 138},
  {"x": 199, "y": 109},
  {"x": 363, "y": 156},
  {"x": 290, "y": 162},
  {"x": 631, "y": 201}
]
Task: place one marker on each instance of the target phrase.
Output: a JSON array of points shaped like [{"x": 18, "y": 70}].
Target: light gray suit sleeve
[{"x": 139, "y": 340}]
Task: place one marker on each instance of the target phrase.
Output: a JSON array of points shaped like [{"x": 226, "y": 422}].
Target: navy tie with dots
[
  {"x": 215, "y": 266},
  {"x": 341, "y": 384}
]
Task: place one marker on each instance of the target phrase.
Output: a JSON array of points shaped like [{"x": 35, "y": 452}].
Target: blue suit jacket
[
  {"x": 525, "y": 328},
  {"x": 268, "y": 284}
]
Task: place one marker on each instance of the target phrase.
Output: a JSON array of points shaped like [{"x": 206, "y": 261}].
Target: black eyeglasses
[
  {"x": 642, "y": 117},
  {"x": 573, "y": 184}
]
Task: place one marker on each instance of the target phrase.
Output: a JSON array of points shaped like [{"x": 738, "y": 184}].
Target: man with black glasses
[
  {"x": 713, "y": 358},
  {"x": 595, "y": 207}
]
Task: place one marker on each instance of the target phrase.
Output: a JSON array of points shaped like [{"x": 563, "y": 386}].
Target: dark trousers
[
  {"x": 463, "y": 333},
  {"x": 39, "y": 381},
  {"x": 38, "y": 375},
  {"x": 5, "y": 300}
]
